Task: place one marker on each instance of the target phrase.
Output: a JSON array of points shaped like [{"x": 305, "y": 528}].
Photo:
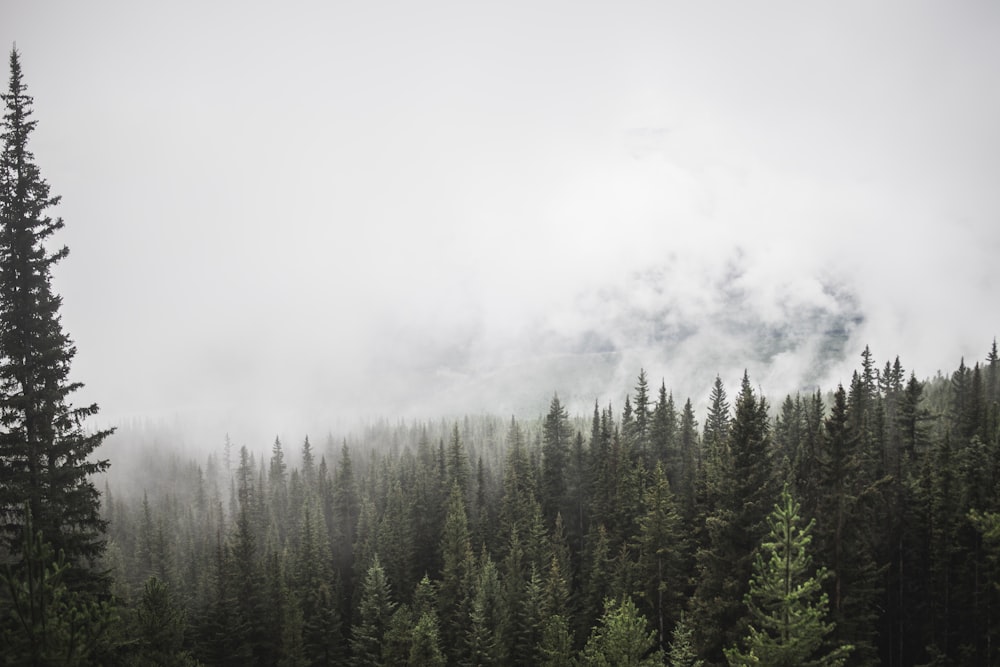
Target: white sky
[{"x": 281, "y": 214}]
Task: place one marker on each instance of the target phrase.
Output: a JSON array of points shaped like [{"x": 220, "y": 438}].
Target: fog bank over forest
[{"x": 306, "y": 217}]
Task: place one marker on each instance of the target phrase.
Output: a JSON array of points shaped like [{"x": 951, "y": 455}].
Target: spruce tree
[
  {"x": 621, "y": 639},
  {"x": 374, "y": 612},
  {"x": 555, "y": 457},
  {"x": 744, "y": 490},
  {"x": 661, "y": 555},
  {"x": 42, "y": 621},
  {"x": 44, "y": 448},
  {"x": 788, "y": 608},
  {"x": 456, "y": 576}
]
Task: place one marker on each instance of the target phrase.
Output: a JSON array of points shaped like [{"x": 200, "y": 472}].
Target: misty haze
[{"x": 500, "y": 334}]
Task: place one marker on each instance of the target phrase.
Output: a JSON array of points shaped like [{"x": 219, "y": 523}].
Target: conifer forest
[{"x": 856, "y": 524}]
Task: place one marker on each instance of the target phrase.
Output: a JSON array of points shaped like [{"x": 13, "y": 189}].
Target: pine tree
[
  {"x": 425, "y": 645},
  {"x": 642, "y": 416},
  {"x": 556, "y": 647},
  {"x": 689, "y": 460},
  {"x": 42, "y": 621},
  {"x": 345, "y": 511},
  {"x": 44, "y": 448},
  {"x": 457, "y": 464},
  {"x": 453, "y": 592},
  {"x": 663, "y": 435},
  {"x": 661, "y": 555},
  {"x": 374, "y": 612},
  {"x": 555, "y": 457},
  {"x": 744, "y": 488},
  {"x": 621, "y": 639},
  {"x": 682, "y": 653},
  {"x": 160, "y": 625},
  {"x": 715, "y": 439},
  {"x": 484, "y": 640},
  {"x": 787, "y": 606},
  {"x": 843, "y": 541}
]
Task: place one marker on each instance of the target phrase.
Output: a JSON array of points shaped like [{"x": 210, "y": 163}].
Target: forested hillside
[
  {"x": 852, "y": 525},
  {"x": 631, "y": 537}
]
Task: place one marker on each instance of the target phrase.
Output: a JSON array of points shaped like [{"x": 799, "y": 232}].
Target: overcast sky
[{"x": 284, "y": 214}]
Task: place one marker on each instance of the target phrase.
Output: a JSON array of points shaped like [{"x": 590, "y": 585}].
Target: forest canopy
[{"x": 638, "y": 535}]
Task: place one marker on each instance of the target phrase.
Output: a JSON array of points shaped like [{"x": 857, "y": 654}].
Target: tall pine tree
[{"x": 44, "y": 448}]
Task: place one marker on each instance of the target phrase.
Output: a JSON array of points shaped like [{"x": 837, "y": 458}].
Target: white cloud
[{"x": 339, "y": 209}]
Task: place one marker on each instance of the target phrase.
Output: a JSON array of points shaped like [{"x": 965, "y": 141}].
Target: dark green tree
[
  {"x": 159, "y": 627},
  {"x": 456, "y": 577},
  {"x": 457, "y": 464},
  {"x": 689, "y": 460},
  {"x": 715, "y": 442},
  {"x": 485, "y": 642},
  {"x": 663, "y": 436},
  {"x": 374, "y": 612},
  {"x": 744, "y": 492},
  {"x": 661, "y": 556},
  {"x": 556, "y": 440},
  {"x": 425, "y": 645},
  {"x": 42, "y": 621},
  {"x": 44, "y": 449},
  {"x": 642, "y": 417}
]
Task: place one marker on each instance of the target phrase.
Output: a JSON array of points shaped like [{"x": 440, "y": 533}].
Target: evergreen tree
[
  {"x": 453, "y": 592},
  {"x": 642, "y": 417},
  {"x": 689, "y": 458},
  {"x": 787, "y": 606},
  {"x": 556, "y": 647},
  {"x": 245, "y": 572},
  {"x": 42, "y": 621},
  {"x": 555, "y": 457},
  {"x": 682, "y": 653},
  {"x": 425, "y": 645},
  {"x": 661, "y": 555},
  {"x": 159, "y": 628},
  {"x": 843, "y": 532},
  {"x": 715, "y": 441},
  {"x": 621, "y": 639},
  {"x": 457, "y": 464},
  {"x": 345, "y": 510},
  {"x": 663, "y": 436},
  {"x": 484, "y": 640},
  {"x": 44, "y": 449},
  {"x": 374, "y": 612},
  {"x": 734, "y": 527}
]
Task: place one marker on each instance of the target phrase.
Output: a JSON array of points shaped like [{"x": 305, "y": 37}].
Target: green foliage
[
  {"x": 682, "y": 653},
  {"x": 622, "y": 638},
  {"x": 374, "y": 613},
  {"x": 661, "y": 555},
  {"x": 159, "y": 629},
  {"x": 456, "y": 577},
  {"x": 555, "y": 458},
  {"x": 44, "y": 622},
  {"x": 740, "y": 493},
  {"x": 904, "y": 508},
  {"x": 425, "y": 647},
  {"x": 44, "y": 449},
  {"x": 556, "y": 647},
  {"x": 786, "y": 602},
  {"x": 486, "y": 614}
]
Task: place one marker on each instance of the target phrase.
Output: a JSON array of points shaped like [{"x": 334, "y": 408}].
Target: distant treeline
[{"x": 642, "y": 538}]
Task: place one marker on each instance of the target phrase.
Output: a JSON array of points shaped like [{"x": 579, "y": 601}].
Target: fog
[{"x": 285, "y": 218}]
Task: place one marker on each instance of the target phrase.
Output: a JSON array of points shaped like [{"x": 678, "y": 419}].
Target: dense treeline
[{"x": 631, "y": 535}]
